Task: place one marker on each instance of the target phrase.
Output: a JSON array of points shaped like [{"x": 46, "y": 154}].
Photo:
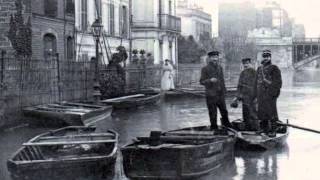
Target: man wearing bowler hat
[
  {"x": 268, "y": 84},
  {"x": 245, "y": 94},
  {"x": 213, "y": 80}
]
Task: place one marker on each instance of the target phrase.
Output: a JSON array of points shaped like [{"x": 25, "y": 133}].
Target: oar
[{"x": 299, "y": 127}]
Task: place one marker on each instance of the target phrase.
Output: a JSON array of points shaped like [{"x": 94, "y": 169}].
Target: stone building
[
  {"x": 52, "y": 25},
  {"x": 194, "y": 21},
  {"x": 155, "y": 28},
  {"x": 115, "y": 20}
]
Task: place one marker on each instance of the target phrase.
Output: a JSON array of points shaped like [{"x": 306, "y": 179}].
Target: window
[
  {"x": 170, "y": 7},
  {"x": 50, "y": 8},
  {"x": 70, "y": 48},
  {"x": 70, "y": 7},
  {"x": 123, "y": 21},
  {"x": 49, "y": 45},
  {"x": 98, "y": 9},
  {"x": 84, "y": 18},
  {"x": 111, "y": 19}
]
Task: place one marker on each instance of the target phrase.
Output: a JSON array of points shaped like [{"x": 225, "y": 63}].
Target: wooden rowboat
[
  {"x": 66, "y": 114},
  {"x": 259, "y": 141},
  {"x": 178, "y": 154},
  {"x": 67, "y": 153},
  {"x": 134, "y": 100}
]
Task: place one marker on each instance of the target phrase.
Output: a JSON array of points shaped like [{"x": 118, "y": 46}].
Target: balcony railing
[
  {"x": 169, "y": 22},
  {"x": 165, "y": 22}
]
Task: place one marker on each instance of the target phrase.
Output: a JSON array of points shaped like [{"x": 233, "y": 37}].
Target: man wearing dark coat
[
  {"x": 245, "y": 93},
  {"x": 213, "y": 80},
  {"x": 268, "y": 85}
]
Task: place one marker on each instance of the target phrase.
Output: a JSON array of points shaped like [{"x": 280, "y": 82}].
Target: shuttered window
[
  {"x": 123, "y": 20},
  {"x": 111, "y": 19},
  {"x": 70, "y": 7},
  {"x": 84, "y": 15}
]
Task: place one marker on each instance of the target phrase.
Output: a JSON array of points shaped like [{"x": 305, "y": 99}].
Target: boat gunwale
[{"x": 113, "y": 153}]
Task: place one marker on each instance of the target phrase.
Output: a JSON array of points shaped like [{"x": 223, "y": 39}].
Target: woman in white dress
[{"x": 167, "y": 81}]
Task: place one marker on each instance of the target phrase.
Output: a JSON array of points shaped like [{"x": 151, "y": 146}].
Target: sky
[{"x": 303, "y": 11}]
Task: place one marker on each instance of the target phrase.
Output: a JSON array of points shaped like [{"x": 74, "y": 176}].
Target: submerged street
[{"x": 299, "y": 103}]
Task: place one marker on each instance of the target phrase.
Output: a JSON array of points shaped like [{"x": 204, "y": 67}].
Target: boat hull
[
  {"x": 67, "y": 169},
  {"x": 259, "y": 141},
  {"x": 176, "y": 162},
  {"x": 34, "y": 161},
  {"x": 65, "y": 116}
]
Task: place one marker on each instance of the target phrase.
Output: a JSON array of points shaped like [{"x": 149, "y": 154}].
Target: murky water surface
[{"x": 299, "y": 102}]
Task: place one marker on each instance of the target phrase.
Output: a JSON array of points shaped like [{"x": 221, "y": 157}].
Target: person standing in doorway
[
  {"x": 245, "y": 94},
  {"x": 267, "y": 89},
  {"x": 213, "y": 79},
  {"x": 167, "y": 80}
]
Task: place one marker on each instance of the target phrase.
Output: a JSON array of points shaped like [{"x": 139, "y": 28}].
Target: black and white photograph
[{"x": 159, "y": 89}]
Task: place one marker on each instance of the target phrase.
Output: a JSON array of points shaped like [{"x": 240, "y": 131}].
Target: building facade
[
  {"x": 194, "y": 21},
  {"x": 114, "y": 15},
  {"x": 52, "y": 26},
  {"x": 155, "y": 28}
]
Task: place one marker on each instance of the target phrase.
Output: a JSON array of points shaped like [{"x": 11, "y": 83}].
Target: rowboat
[
  {"x": 179, "y": 154},
  {"x": 67, "y": 153},
  {"x": 134, "y": 100},
  {"x": 66, "y": 114},
  {"x": 256, "y": 140}
]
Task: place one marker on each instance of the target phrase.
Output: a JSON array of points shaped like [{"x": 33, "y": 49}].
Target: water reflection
[{"x": 254, "y": 165}]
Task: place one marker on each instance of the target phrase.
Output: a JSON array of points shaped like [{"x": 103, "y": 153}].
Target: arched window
[
  {"x": 70, "y": 48},
  {"x": 49, "y": 45}
]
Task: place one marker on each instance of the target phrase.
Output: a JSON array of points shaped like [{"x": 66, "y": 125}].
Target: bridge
[{"x": 305, "y": 51}]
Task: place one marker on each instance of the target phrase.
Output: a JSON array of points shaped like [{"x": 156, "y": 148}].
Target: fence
[{"x": 28, "y": 82}]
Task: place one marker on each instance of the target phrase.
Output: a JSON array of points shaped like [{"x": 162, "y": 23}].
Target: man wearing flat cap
[
  {"x": 245, "y": 94},
  {"x": 213, "y": 80},
  {"x": 268, "y": 84}
]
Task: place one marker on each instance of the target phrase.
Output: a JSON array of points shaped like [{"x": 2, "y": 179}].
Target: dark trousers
[
  {"x": 249, "y": 114},
  {"x": 214, "y": 103},
  {"x": 267, "y": 113}
]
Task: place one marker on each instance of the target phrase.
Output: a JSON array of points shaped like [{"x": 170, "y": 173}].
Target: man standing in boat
[
  {"x": 268, "y": 84},
  {"x": 245, "y": 93},
  {"x": 213, "y": 80}
]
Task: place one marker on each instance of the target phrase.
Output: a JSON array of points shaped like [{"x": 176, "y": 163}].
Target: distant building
[
  {"x": 278, "y": 18},
  {"x": 236, "y": 19},
  {"x": 115, "y": 21},
  {"x": 155, "y": 28},
  {"x": 194, "y": 21},
  {"x": 52, "y": 25},
  {"x": 298, "y": 31}
]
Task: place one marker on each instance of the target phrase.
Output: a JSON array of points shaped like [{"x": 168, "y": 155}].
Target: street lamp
[{"x": 96, "y": 31}]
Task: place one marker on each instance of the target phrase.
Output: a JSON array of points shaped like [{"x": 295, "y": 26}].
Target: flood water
[{"x": 299, "y": 102}]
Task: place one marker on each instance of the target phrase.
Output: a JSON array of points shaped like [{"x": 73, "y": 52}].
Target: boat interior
[
  {"x": 67, "y": 145},
  {"x": 187, "y": 136}
]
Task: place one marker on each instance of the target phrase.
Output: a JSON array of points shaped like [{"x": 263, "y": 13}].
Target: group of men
[{"x": 258, "y": 91}]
